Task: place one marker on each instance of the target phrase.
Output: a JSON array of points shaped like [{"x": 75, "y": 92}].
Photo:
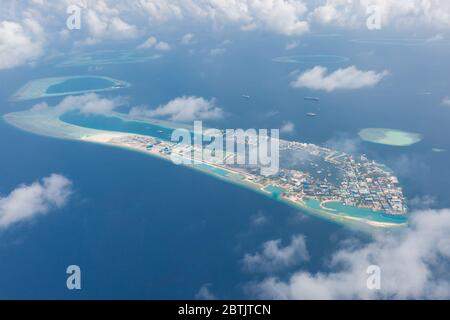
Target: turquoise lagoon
[
  {"x": 275, "y": 191},
  {"x": 111, "y": 123},
  {"x": 61, "y": 86},
  {"x": 79, "y": 84},
  {"x": 116, "y": 123}
]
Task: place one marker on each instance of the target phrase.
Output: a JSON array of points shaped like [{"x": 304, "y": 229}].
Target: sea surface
[{"x": 140, "y": 227}]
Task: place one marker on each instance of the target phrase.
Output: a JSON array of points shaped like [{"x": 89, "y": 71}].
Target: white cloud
[
  {"x": 163, "y": 46},
  {"x": 107, "y": 25},
  {"x": 294, "y": 17},
  {"x": 28, "y": 201},
  {"x": 184, "y": 109},
  {"x": 153, "y": 42},
  {"x": 446, "y": 101},
  {"x": 337, "y": 12},
  {"x": 160, "y": 11},
  {"x": 436, "y": 38},
  {"x": 287, "y": 127},
  {"x": 20, "y": 43},
  {"x": 406, "y": 166},
  {"x": 413, "y": 266},
  {"x": 345, "y": 143},
  {"x": 225, "y": 43},
  {"x": 274, "y": 257},
  {"x": 113, "y": 20},
  {"x": 89, "y": 103},
  {"x": 280, "y": 16},
  {"x": 188, "y": 39},
  {"x": 348, "y": 79},
  {"x": 204, "y": 293},
  {"x": 258, "y": 219},
  {"x": 149, "y": 43},
  {"x": 422, "y": 202},
  {"x": 406, "y": 14},
  {"x": 217, "y": 51},
  {"x": 221, "y": 48},
  {"x": 292, "y": 45}
]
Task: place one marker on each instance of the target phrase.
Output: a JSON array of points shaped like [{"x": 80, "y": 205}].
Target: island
[
  {"x": 61, "y": 86},
  {"x": 390, "y": 137},
  {"x": 311, "y": 58},
  {"x": 107, "y": 57},
  {"x": 326, "y": 183}
]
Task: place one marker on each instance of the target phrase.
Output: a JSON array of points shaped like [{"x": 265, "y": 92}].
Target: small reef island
[
  {"x": 390, "y": 137},
  {"x": 106, "y": 57},
  {"x": 321, "y": 181},
  {"x": 61, "y": 86},
  {"x": 311, "y": 58}
]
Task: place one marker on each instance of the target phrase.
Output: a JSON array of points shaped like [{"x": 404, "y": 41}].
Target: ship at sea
[{"x": 311, "y": 99}]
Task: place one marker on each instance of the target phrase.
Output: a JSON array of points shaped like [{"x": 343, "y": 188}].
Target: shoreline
[
  {"x": 103, "y": 137},
  {"x": 37, "y": 88}
]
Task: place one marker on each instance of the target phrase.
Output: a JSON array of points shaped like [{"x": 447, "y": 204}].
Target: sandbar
[{"x": 390, "y": 137}]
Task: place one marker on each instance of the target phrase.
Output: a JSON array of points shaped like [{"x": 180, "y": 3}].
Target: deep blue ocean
[{"x": 140, "y": 227}]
